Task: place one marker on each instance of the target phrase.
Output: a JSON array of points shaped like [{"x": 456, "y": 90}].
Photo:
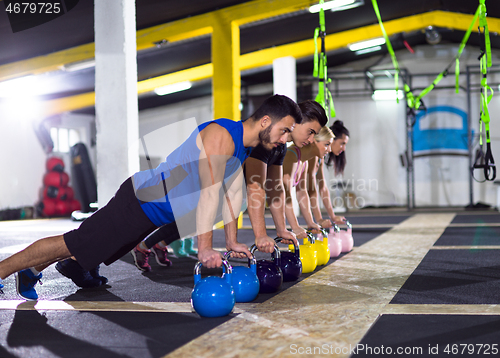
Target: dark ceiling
[{"x": 76, "y": 28}]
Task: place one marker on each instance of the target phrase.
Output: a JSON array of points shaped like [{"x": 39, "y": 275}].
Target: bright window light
[
  {"x": 368, "y": 50},
  {"x": 64, "y": 138},
  {"x": 366, "y": 44},
  {"x": 335, "y": 5},
  {"x": 176, "y": 87},
  {"x": 55, "y": 139},
  {"x": 23, "y": 86},
  {"x": 387, "y": 95},
  {"x": 73, "y": 137},
  {"x": 22, "y": 108}
]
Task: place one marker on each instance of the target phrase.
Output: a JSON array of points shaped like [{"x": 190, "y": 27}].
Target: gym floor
[{"x": 422, "y": 284}]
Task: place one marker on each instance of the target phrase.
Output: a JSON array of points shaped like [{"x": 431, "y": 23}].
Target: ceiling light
[
  {"x": 432, "y": 36},
  {"x": 336, "y": 5},
  {"x": 22, "y": 86},
  {"x": 77, "y": 66},
  {"x": 387, "y": 95},
  {"x": 161, "y": 43},
  {"x": 368, "y": 50},
  {"x": 366, "y": 44},
  {"x": 176, "y": 87}
]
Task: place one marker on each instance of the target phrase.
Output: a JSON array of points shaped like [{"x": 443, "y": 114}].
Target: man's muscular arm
[
  {"x": 216, "y": 147},
  {"x": 276, "y": 202},
  {"x": 256, "y": 176}
]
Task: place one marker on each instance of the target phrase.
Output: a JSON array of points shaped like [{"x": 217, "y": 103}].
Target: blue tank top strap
[{"x": 235, "y": 128}]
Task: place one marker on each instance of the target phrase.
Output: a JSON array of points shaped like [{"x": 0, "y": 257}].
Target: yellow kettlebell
[
  {"x": 308, "y": 254},
  {"x": 322, "y": 248}
]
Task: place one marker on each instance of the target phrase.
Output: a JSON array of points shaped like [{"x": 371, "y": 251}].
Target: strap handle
[
  {"x": 320, "y": 71},
  {"x": 461, "y": 48},
  {"x": 389, "y": 47}
]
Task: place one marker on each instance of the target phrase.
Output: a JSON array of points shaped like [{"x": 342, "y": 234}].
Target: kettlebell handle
[
  {"x": 336, "y": 228},
  {"x": 296, "y": 247},
  {"x": 277, "y": 253},
  {"x": 349, "y": 226},
  {"x": 252, "y": 261},
  {"x": 324, "y": 232},
  {"x": 310, "y": 237},
  {"x": 227, "y": 267},
  {"x": 276, "y": 250}
]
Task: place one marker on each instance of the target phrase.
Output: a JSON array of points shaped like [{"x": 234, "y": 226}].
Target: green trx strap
[
  {"x": 461, "y": 48},
  {"x": 389, "y": 47},
  {"x": 413, "y": 101},
  {"x": 416, "y": 101},
  {"x": 483, "y": 160},
  {"x": 320, "y": 71},
  {"x": 484, "y": 25}
]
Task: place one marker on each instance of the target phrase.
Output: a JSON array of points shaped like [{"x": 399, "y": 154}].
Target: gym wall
[{"x": 373, "y": 174}]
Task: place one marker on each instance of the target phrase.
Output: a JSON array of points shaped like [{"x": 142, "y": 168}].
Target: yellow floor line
[
  {"x": 443, "y": 309},
  {"x": 474, "y": 225},
  {"x": 354, "y": 226},
  {"x": 108, "y": 306},
  {"x": 472, "y": 247}
]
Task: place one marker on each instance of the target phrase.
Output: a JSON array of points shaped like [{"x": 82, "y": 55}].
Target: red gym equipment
[{"x": 58, "y": 199}]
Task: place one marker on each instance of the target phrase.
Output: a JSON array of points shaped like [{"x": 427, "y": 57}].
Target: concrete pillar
[
  {"x": 117, "y": 117},
  {"x": 285, "y": 83},
  {"x": 285, "y": 77}
]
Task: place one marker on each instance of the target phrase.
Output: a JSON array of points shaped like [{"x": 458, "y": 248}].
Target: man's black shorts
[{"x": 110, "y": 232}]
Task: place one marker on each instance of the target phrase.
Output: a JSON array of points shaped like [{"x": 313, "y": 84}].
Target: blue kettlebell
[
  {"x": 269, "y": 272},
  {"x": 291, "y": 266},
  {"x": 213, "y": 296},
  {"x": 244, "y": 280}
]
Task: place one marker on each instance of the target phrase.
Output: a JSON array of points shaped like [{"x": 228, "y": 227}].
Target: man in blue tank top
[{"x": 188, "y": 183}]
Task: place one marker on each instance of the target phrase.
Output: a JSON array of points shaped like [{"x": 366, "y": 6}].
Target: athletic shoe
[
  {"x": 25, "y": 284},
  {"x": 188, "y": 246},
  {"x": 160, "y": 254},
  {"x": 178, "y": 248},
  {"x": 76, "y": 273},
  {"x": 95, "y": 274},
  {"x": 141, "y": 258}
]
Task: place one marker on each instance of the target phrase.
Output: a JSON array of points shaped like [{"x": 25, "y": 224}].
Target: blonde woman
[
  {"x": 295, "y": 175},
  {"x": 316, "y": 182}
]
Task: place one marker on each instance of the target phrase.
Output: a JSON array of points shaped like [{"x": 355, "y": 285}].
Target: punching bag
[{"x": 84, "y": 182}]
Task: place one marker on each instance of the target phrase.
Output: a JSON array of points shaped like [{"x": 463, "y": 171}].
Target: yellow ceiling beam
[
  {"x": 299, "y": 50},
  {"x": 147, "y": 38},
  {"x": 72, "y": 103},
  {"x": 46, "y": 63},
  {"x": 67, "y": 104},
  {"x": 191, "y": 74},
  {"x": 202, "y": 24},
  {"x": 340, "y": 40},
  {"x": 258, "y": 10}
]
